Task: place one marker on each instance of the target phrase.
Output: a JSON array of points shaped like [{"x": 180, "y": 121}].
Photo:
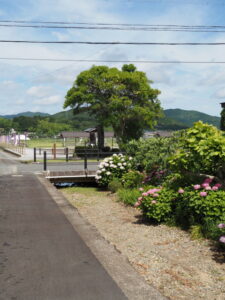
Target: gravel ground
[{"x": 180, "y": 268}]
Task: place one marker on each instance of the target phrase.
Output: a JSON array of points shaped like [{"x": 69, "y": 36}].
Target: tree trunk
[{"x": 101, "y": 137}]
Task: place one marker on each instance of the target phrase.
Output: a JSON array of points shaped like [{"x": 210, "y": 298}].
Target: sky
[{"x": 42, "y": 85}]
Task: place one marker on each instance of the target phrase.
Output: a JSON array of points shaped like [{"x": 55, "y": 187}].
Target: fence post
[
  {"x": 98, "y": 155},
  {"x": 35, "y": 155},
  {"x": 39, "y": 151},
  {"x": 54, "y": 150},
  {"x": 45, "y": 160},
  {"x": 85, "y": 159},
  {"x": 67, "y": 154}
]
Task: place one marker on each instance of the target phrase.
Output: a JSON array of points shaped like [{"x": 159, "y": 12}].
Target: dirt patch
[{"x": 180, "y": 268}]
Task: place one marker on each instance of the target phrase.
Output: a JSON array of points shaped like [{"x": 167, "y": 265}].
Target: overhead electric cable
[
  {"x": 129, "y": 28},
  {"x": 115, "y": 43},
  {"x": 113, "y": 61},
  {"x": 113, "y": 24}
]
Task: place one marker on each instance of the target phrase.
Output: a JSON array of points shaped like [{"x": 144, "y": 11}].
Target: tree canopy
[
  {"x": 222, "y": 120},
  {"x": 123, "y": 99}
]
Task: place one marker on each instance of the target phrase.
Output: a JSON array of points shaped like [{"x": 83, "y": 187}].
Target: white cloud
[
  {"x": 220, "y": 94},
  {"x": 46, "y": 83},
  {"x": 55, "y": 99},
  {"x": 39, "y": 91}
]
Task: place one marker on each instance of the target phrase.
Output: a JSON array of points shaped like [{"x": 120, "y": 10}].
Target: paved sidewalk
[{"x": 42, "y": 257}]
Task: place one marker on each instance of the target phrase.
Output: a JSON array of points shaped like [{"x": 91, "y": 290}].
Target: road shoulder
[{"x": 117, "y": 265}]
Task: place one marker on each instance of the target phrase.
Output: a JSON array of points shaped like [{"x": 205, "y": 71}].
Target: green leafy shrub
[
  {"x": 128, "y": 196},
  {"x": 113, "y": 167},
  {"x": 176, "y": 180},
  {"x": 206, "y": 204},
  {"x": 221, "y": 227},
  {"x": 157, "y": 204},
  {"x": 202, "y": 204},
  {"x": 155, "y": 177},
  {"x": 201, "y": 150},
  {"x": 114, "y": 185},
  {"x": 152, "y": 154},
  {"x": 132, "y": 179}
]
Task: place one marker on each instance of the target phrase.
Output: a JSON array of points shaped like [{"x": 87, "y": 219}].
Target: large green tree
[
  {"x": 222, "y": 120},
  {"x": 123, "y": 99}
]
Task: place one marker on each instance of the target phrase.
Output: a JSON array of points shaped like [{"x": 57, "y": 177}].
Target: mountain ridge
[
  {"x": 25, "y": 114},
  {"x": 174, "y": 119}
]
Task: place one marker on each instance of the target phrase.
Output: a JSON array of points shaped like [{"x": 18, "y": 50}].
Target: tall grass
[{"x": 128, "y": 196}]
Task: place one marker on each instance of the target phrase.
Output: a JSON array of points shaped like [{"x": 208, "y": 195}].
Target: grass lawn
[
  {"x": 44, "y": 143},
  {"x": 70, "y": 143},
  {"x": 86, "y": 191}
]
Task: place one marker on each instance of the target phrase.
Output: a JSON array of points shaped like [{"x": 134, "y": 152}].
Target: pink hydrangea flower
[
  {"x": 150, "y": 192},
  {"x": 136, "y": 204},
  {"x": 218, "y": 185},
  {"x": 215, "y": 188},
  {"x": 144, "y": 194},
  {"x": 221, "y": 225},
  {"x": 141, "y": 189},
  {"x": 208, "y": 180},
  {"x": 140, "y": 199},
  {"x": 180, "y": 191},
  {"x": 222, "y": 239},
  {"x": 204, "y": 185},
  {"x": 208, "y": 188},
  {"x": 155, "y": 195},
  {"x": 197, "y": 186},
  {"x": 154, "y": 202},
  {"x": 203, "y": 194}
]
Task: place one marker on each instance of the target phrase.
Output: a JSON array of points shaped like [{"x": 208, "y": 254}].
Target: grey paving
[
  {"x": 10, "y": 164},
  {"x": 41, "y": 254}
]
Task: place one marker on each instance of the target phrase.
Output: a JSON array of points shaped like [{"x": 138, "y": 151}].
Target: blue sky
[{"x": 41, "y": 86}]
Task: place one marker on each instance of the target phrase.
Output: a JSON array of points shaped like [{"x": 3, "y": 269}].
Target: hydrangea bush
[
  {"x": 200, "y": 204},
  {"x": 113, "y": 167},
  {"x": 205, "y": 200},
  {"x": 222, "y": 227},
  {"x": 156, "y": 203}
]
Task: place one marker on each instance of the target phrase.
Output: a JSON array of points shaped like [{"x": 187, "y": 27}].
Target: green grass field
[
  {"x": 44, "y": 143},
  {"x": 49, "y": 142}
]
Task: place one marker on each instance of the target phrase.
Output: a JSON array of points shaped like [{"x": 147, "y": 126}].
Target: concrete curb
[
  {"x": 117, "y": 265},
  {"x": 11, "y": 152}
]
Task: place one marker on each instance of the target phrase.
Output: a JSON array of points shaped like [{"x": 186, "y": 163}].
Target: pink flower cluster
[
  {"x": 207, "y": 187},
  {"x": 222, "y": 238},
  {"x": 151, "y": 192}
]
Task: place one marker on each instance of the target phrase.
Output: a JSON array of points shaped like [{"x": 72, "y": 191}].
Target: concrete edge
[
  {"x": 11, "y": 152},
  {"x": 116, "y": 264}
]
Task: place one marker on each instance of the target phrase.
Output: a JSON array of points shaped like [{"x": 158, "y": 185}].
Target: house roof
[
  {"x": 159, "y": 133},
  {"x": 74, "y": 134},
  {"x": 82, "y": 134}
]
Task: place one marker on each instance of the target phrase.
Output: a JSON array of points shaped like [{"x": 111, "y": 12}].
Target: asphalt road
[
  {"x": 42, "y": 257},
  {"x": 11, "y": 165}
]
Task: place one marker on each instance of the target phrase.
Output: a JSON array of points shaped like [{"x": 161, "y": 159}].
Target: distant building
[
  {"x": 158, "y": 133},
  {"x": 89, "y": 133}
]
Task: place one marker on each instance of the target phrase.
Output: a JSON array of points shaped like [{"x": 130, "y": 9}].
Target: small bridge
[{"x": 70, "y": 176}]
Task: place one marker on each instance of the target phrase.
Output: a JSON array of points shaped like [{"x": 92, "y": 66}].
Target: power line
[
  {"x": 114, "y": 43},
  {"x": 123, "y": 28},
  {"x": 113, "y": 24},
  {"x": 113, "y": 61}
]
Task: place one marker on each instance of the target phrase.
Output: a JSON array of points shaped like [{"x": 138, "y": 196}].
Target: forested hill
[
  {"x": 188, "y": 117},
  {"x": 174, "y": 119},
  {"x": 25, "y": 114}
]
